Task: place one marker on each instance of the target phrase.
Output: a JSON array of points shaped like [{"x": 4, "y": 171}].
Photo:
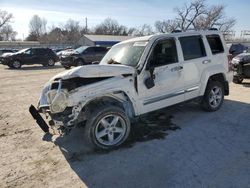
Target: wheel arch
[
  {"x": 120, "y": 99},
  {"x": 221, "y": 77}
]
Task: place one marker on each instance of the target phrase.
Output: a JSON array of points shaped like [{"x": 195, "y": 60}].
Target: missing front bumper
[{"x": 39, "y": 120}]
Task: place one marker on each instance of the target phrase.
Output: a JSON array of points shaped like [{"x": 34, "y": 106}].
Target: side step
[{"x": 39, "y": 120}]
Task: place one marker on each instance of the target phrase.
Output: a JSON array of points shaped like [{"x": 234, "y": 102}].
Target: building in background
[
  {"x": 101, "y": 40},
  {"x": 86, "y": 40}
]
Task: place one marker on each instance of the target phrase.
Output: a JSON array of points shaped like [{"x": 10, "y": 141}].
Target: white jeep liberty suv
[{"x": 135, "y": 77}]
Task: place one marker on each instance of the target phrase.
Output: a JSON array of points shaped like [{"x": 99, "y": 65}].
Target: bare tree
[
  {"x": 197, "y": 15},
  {"x": 6, "y": 30},
  {"x": 166, "y": 26},
  {"x": 110, "y": 27},
  {"x": 72, "y": 30},
  {"x": 5, "y": 18},
  {"x": 7, "y": 33},
  {"x": 143, "y": 30},
  {"x": 37, "y": 27}
]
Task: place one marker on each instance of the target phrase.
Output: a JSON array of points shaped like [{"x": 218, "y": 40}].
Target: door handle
[
  {"x": 206, "y": 61},
  {"x": 177, "y": 68}
]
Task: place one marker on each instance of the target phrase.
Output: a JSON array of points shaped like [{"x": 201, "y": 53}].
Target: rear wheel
[
  {"x": 107, "y": 128},
  {"x": 213, "y": 97},
  {"x": 16, "y": 64},
  {"x": 66, "y": 66}
]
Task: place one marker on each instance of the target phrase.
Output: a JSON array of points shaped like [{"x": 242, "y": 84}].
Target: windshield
[
  {"x": 125, "y": 54},
  {"x": 81, "y": 49},
  {"x": 23, "y": 50}
]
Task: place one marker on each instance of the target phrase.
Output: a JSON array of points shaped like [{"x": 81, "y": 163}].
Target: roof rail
[
  {"x": 176, "y": 31},
  {"x": 213, "y": 29}
]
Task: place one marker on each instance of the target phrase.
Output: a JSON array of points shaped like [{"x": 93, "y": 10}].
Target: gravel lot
[{"x": 208, "y": 149}]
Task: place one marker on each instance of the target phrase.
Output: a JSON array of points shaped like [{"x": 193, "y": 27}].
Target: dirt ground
[{"x": 195, "y": 149}]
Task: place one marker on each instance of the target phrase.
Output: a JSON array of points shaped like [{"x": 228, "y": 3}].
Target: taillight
[{"x": 230, "y": 65}]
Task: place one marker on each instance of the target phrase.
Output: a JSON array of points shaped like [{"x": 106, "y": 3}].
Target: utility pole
[{"x": 86, "y": 24}]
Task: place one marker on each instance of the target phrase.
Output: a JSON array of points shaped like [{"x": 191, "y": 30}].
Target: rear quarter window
[
  {"x": 215, "y": 44},
  {"x": 192, "y": 47}
]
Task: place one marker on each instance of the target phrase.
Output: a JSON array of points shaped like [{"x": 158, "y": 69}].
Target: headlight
[{"x": 57, "y": 100}]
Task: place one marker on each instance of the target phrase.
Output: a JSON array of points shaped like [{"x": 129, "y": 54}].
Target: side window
[
  {"x": 165, "y": 53},
  {"x": 215, "y": 44},
  {"x": 192, "y": 47},
  {"x": 100, "y": 50},
  {"x": 89, "y": 51},
  {"x": 29, "y": 51}
]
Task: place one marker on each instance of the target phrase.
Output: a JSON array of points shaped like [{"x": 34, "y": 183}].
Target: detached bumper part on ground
[{"x": 39, "y": 120}]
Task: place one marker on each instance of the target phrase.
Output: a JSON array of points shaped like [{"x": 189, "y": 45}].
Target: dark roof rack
[
  {"x": 213, "y": 29},
  {"x": 176, "y": 31}
]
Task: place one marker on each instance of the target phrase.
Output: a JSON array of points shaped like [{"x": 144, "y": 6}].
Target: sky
[{"x": 131, "y": 13}]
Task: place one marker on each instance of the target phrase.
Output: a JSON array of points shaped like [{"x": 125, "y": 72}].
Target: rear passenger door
[
  {"x": 88, "y": 55},
  {"x": 99, "y": 53},
  {"x": 194, "y": 61}
]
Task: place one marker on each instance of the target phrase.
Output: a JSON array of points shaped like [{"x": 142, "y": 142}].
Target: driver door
[{"x": 168, "y": 76}]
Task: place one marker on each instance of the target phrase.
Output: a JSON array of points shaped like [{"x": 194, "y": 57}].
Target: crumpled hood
[{"x": 95, "y": 71}]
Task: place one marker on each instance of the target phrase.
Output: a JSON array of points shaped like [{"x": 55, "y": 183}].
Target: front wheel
[
  {"x": 107, "y": 128},
  {"x": 213, "y": 97},
  {"x": 16, "y": 64},
  {"x": 79, "y": 62}
]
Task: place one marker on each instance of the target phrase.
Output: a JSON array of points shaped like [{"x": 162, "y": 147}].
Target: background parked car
[
  {"x": 30, "y": 56},
  {"x": 241, "y": 65},
  {"x": 237, "y": 49},
  {"x": 82, "y": 56},
  {"x": 5, "y": 52}
]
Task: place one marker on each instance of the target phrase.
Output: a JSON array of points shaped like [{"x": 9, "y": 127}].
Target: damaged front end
[
  {"x": 53, "y": 103},
  {"x": 64, "y": 97}
]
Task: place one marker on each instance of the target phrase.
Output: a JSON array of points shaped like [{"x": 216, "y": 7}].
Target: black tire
[
  {"x": 213, "y": 97},
  {"x": 51, "y": 63},
  {"x": 16, "y": 64},
  {"x": 80, "y": 62},
  {"x": 100, "y": 123},
  {"x": 10, "y": 66},
  {"x": 66, "y": 66},
  {"x": 237, "y": 80}
]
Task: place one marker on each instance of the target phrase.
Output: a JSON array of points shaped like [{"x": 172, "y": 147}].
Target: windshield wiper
[{"x": 111, "y": 61}]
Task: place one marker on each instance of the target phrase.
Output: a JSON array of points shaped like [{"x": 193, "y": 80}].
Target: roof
[
  {"x": 179, "y": 34},
  {"x": 114, "y": 38}
]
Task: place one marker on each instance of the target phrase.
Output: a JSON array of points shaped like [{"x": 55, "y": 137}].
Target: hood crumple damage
[{"x": 95, "y": 71}]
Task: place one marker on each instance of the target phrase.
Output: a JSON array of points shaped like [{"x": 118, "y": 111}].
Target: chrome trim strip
[
  {"x": 156, "y": 99},
  {"x": 192, "y": 89}
]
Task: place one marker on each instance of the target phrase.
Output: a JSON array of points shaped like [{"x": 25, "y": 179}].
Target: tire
[
  {"x": 107, "y": 128},
  {"x": 79, "y": 62},
  {"x": 16, "y": 64},
  {"x": 213, "y": 97},
  {"x": 51, "y": 63},
  {"x": 10, "y": 66},
  {"x": 237, "y": 80},
  {"x": 66, "y": 67}
]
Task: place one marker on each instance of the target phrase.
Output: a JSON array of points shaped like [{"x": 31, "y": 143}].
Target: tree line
[{"x": 195, "y": 15}]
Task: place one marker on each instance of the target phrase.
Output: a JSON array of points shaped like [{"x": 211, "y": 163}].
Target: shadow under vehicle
[
  {"x": 241, "y": 65},
  {"x": 30, "y": 56}
]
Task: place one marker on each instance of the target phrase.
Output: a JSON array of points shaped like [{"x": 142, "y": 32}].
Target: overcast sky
[{"x": 130, "y": 13}]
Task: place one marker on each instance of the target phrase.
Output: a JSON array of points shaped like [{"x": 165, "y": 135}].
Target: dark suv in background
[
  {"x": 82, "y": 56},
  {"x": 30, "y": 56}
]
